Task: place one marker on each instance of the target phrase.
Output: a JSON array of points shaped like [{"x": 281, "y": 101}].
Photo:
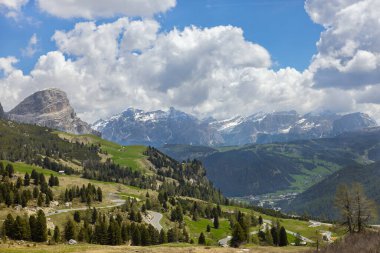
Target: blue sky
[
  {"x": 281, "y": 26},
  {"x": 214, "y": 58}
]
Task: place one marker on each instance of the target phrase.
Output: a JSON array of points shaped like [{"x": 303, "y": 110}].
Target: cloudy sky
[{"x": 206, "y": 57}]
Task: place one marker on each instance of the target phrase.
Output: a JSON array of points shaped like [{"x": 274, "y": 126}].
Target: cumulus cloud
[
  {"x": 106, "y": 68},
  {"x": 12, "y": 8},
  {"x": 90, "y": 9},
  {"x": 349, "y": 49}
]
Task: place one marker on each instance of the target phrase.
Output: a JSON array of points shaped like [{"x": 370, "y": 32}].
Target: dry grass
[
  {"x": 358, "y": 243},
  {"x": 156, "y": 249}
]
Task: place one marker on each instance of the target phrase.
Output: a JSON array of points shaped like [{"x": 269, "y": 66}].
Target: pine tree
[
  {"x": 19, "y": 183},
  {"x": 208, "y": 228},
  {"x": 77, "y": 217},
  {"x": 163, "y": 237},
  {"x": 136, "y": 236},
  {"x": 260, "y": 220},
  {"x": 238, "y": 236},
  {"x": 283, "y": 240},
  {"x": 69, "y": 230},
  {"x": 41, "y": 228},
  {"x": 94, "y": 215},
  {"x": 40, "y": 200},
  {"x": 99, "y": 194},
  {"x": 145, "y": 236},
  {"x": 216, "y": 222},
  {"x": 9, "y": 226},
  {"x": 33, "y": 227},
  {"x": 10, "y": 170},
  {"x": 36, "y": 192},
  {"x": 202, "y": 239},
  {"x": 268, "y": 236},
  {"x": 274, "y": 234},
  {"x": 56, "y": 181},
  {"x": 57, "y": 234}
]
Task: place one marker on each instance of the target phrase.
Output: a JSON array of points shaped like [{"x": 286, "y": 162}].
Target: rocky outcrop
[
  {"x": 50, "y": 108},
  {"x": 2, "y": 114}
]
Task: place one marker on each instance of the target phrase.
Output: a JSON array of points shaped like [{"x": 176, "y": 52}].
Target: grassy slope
[{"x": 131, "y": 156}]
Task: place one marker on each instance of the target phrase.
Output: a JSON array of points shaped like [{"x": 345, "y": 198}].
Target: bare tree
[
  {"x": 365, "y": 209},
  {"x": 343, "y": 201},
  {"x": 356, "y": 209}
]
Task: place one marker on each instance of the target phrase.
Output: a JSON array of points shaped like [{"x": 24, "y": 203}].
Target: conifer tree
[
  {"x": 8, "y": 226},
  {"x": 202, "y": 239},
  {"x": 69, "y": 230},
  {"x": 216, "y": 222},
  {"x": 163, "y": 237},
  {"x": 136, "y": 236},
  {"x": 283, "y": 240},
  {"x": 57, "y": 234},
  {"x": 41, "y": 227},
  {"x": 274, "y": 234},
  {"x": 238, "y": 236},
  {"x": 77, "y": 217}
]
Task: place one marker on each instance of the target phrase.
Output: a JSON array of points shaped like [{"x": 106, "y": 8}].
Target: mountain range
[
  {"x": 158, "y": 128},
  {"x": 49, "y": 108},
  {"x": 291, "y": 167}
]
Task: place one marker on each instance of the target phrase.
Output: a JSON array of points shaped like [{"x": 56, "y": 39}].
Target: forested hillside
[
  {"x": 293, "y": 166},
  {"x": 318, "y": 200}
]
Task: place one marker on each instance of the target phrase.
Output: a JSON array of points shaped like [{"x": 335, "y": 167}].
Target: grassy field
[
  {"x": 296, "y": 226},
  {"x": 131, "y": 156},
  {"x": 23, "y": 168},
  {"x": 196, "y": 227}
]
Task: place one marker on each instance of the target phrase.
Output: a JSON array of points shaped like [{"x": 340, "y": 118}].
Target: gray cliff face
[
  {"x": 50, "y": 108},
  {"x": 158, "y": 128},
  {"x": 2, "y": 114}
]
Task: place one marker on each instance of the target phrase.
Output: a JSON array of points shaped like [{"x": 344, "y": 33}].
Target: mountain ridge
[{"x": 158, "y": 128}]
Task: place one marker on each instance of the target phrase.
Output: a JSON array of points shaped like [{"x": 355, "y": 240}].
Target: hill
[
  {"x": 318, "y": 200},
  {"x": 141, "y": 186},
  {"x": 292, "y": 167}
]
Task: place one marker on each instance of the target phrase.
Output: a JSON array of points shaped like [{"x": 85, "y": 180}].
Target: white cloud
[
  {"x": 12, "y": 8},
  {"x": 91, "y": 9},
  {"x": 31, "y": 48},
  {"x": 108, "y": 67},
  {"x": 13, "y": 4},
  {"x": 349, "y": 49}
]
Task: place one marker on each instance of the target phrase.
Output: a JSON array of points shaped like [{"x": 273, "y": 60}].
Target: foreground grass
[{"x": 169, "y": 248}]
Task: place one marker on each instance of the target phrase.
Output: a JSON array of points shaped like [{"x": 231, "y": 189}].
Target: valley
[{"x": 194, "y": 201}]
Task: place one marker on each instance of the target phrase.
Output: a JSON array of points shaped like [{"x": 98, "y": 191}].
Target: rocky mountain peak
[
  {"x": 50, "y": 108},
  {"x": 43, "y": 102}
]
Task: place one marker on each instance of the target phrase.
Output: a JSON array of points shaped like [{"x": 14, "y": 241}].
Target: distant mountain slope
[
  {"x": 318, "y": 200},
  {"x": 158, "y": 128},
  {"x": 293, "y": 166},
  {"x": 50, "y": 108}
]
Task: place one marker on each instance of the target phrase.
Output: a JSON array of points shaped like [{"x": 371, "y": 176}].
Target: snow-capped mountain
[{"x": 158, "y": 128}]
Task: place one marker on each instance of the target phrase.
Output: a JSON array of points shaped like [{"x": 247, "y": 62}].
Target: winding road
[{"x": 114, "y": 198}]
